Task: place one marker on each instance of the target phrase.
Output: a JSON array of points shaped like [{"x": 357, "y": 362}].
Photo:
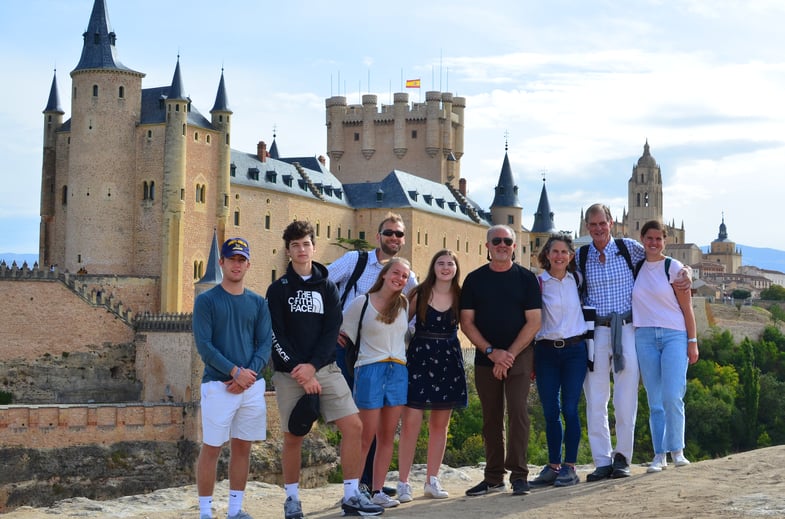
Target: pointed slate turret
[
  {"x": 98, "y": 50},
  {"x": 177, "y": 91},
  {"x": 506, "y": 190},
  {"x": 723, "y": 234},
  {"x": 543, "y": 218},
  {"x": 213, "y": 275},
  {"x": 221, "y": 100},
  {"x": 274, "y": 150},
  {"x": 53, "y": 104}
]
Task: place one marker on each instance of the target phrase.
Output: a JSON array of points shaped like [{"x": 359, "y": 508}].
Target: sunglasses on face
[
  {"x": 507, "y": 241},
  {"x": 390, "y": 232}
]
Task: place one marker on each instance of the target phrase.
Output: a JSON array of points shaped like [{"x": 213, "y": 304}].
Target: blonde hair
[{"x": 399, "y": 302}]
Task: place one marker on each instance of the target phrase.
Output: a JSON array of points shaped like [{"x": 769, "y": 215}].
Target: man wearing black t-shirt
[{"x": 500, "y": 314}]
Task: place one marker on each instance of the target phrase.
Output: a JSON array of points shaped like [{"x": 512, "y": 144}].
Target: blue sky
[{"x": 578, "y": 86}]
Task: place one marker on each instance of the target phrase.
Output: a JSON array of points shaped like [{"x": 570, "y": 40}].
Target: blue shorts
[{"x": 380, "y": 384}]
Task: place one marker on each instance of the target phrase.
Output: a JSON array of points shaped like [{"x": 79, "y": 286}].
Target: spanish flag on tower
[{"x": 412, "y": 83}]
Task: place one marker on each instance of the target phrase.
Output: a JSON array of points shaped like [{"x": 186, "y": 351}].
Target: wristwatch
[{"x": 488, "y": 350}]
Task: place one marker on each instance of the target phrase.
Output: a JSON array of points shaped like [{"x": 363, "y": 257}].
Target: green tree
[
  {"x": 741, "y": 294},
  {"x": 771, "y": 410},
  {"x": 353, "y": 244},
  {"x": 777, "y": 313},
  {"x": 773, "y": 293},
  {"x": 749, "y": 396}
]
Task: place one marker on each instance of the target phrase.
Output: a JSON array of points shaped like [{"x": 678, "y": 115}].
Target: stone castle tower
[
  {"x": 645, "y": 202},
  {"x": 364, "y": 144},
  {"x": 723, "y": 251}
]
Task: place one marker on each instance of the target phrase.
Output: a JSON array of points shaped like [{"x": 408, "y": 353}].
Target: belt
[
  {"x": 561, "y": 343},
  {"x": 606, "y": 321},
  {"x": 434, "y": 335}
]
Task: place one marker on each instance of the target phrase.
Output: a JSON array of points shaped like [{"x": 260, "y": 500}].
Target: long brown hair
[
  {"x": 388, "y": 315},
  {"x": 423, "y": 290}
]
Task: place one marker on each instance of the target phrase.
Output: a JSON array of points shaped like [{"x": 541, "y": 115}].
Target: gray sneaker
[
  {"x": 546, "y": 477},
  {"x": 567, "y": 477},
  {"x": 292, "y": 508},
  {"x": 240, "y": 515},
  {"x": 359, "y": 504}
]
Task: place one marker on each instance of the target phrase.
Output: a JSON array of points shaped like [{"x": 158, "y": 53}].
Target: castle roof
[
  {"x": 221, "y": 100},
  {"x": 723, "y": 234},
  {"x": 154, "y": 111},
  {"x": 274, "y": 149},
  {"x": 301, "y": 176},
  {"x": 543, "y": 218},
  {"x": 177, "y": 90},
  {"x": 53, "y": 104},
  {"x": 506, "y": 190},
  {"x": 401, "y": 189},
  {"x": 213, "y": 275},
  {"x": 98, "y": 49}
]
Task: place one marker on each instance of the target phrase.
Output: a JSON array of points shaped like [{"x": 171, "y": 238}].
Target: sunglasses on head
[
  {"x": 390, "y": 232},
  {"x": 497, "y": 240}
]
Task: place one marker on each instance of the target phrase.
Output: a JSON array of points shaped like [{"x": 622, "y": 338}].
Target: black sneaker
[
  {"x": 483, "y": 487},
  {"x": 390, "y": 491},
  {"x": 600, "y": 473},
  {"x": 520, "y": 487},
  {"x": 621, "y": 469},
  {"x": 359, "y": 504},
  {"x": 546, "y": 477}
]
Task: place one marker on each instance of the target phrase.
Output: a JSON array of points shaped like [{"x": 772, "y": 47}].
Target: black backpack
[{"x": 362, "y": 261}]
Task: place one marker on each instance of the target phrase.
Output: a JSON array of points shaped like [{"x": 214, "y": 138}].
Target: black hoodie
[{"x": 306, "y": 317}]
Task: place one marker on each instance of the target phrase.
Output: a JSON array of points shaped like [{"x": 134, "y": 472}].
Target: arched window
[
  {"x": 145, "y": 191},
  {"x": 121, "y": 92},
  {"x": 95, "y": 90},
  {"x": 152, "y": 190},
  {"x": 65, "y": 195},
  {"x": 638, "y": 200},
  {"x": 237, "y": 217}
]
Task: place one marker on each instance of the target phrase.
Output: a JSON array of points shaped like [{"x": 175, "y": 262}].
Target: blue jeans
[
  {"x": 560, "y": 374},
  {"x": 662, "y": 356}
]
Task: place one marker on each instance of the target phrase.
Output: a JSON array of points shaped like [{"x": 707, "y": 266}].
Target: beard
[{"x": 388, "y": 250}]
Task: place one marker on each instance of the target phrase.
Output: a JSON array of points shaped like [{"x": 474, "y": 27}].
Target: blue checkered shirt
[{"x": 609, "y": 285}]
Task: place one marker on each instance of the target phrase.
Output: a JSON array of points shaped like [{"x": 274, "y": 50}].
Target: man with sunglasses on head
[
  {"x": 500, "y": 314},
  {"x": 391, "y": 237}
]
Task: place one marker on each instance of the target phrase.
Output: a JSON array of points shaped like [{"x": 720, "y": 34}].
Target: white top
[
  {"x": 378, "y": 341},
  {"x": 562, "y": 315},
  {"x": 653, "y": 302}
]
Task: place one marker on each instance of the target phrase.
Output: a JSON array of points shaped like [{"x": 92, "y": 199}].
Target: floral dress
[{"x": 437, "y": 378}]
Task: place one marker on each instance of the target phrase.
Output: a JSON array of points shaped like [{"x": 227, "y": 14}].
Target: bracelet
[
  {"x": 693, "y": 339},
  {"x": 237, "y": 374}
]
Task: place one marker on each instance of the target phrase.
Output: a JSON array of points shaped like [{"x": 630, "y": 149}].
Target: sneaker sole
[
  {"x": 436, "y": 496},
  {"x": 356, "y": 513},
  {"x": 404, "y": 498}
]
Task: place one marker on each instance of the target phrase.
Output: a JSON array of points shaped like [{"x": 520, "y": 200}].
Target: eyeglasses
[
  {"x": 390, "y": 232},
  {"x": 507, "y": 241}
]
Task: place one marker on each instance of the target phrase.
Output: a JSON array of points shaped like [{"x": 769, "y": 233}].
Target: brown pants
[{"x": 493, "y": 393}]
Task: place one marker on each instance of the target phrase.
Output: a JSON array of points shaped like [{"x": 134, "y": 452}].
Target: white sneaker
[
  {"x": 404, "y": 492},
  {"x": 434, "y": 489},
  {"x": 678, "y": 459},
  {"x": 658, "y": 464},
  {"x": 385, "y": 501}
]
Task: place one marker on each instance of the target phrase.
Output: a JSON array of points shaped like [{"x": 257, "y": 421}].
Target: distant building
[{"x": 723, "y": 251}]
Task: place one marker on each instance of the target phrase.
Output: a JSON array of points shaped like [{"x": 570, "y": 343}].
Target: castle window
[
  {"x": 338, "y": 194},
  {"x": 196, "y": 136},
  {"x": 467, "y": 246},
  {"x": 428, "y": 199},
  {"x": 227, "y": 139},
  {"x": 413, "y": 194},
  {"x": 237, "y": 217},
  {"x": 220, "y": 118},
  {"x": 379, "y": 195},
  {"x": 96, "y": 38},
  {"x": 426, "y": 238},
  {"x": 349, "y": 234},
  {"x": 414, "y": 134},
  {"x": 418, "y": 236},
  {"x": 329, "y": 229},
  {"x": 200, "y": 193},
  {"x": 361, "y": 235},
  {"x": 638, "y": 200},
  {"x": 149, "y": 134},
  {"x": 74, "y": 92},
  {"x": 233, "y": 169},
  {"x": 356, "y": 136},
  {"x": 121, "y": 92},
  {"x": 177, "y": 107},
  {"x": 646, "y": 200},
  {"x": 267, "y": 221},
  {"x": 510, "y": 219},
  {"x": 65, "y": 195},
  {"x": 253, "y": 173},
  {"x": 226, "y": 200},
  {"x": 152, "y": 190},
  {"x": 145, "y": 191},
  {"x": 287, "y": 179},
  {"x": 273, "y": 276},
  {"x": 183, "y": 130},
  {"x": 208, "y": 139},
  {"x": 444, "y": 242},
  {"x": 271, "y": 176},
  {"x": 95, "y": 90},
  {"x": 458, "y": 244},
  {"x": 440, "y": 202},
  {"x": 182, "y": 195},
  {"x": 198, "y": 270},
  {"x": 339, "y": 232}
]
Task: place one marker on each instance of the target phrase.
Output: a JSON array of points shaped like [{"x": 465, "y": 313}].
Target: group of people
[{"x": 409, "y": 359}]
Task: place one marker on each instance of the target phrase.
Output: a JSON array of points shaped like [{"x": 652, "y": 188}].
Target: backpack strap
[
  {"x": 641, "y": 262},
  {"x": 360, "y": 322},
  {"x": 362, "y": 261},
  {"x": 624, "y": 251},
  {"x": 583, "y": 255}
]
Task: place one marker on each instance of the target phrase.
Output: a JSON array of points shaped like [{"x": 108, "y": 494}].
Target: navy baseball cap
[{"x": 235, "y": 246}]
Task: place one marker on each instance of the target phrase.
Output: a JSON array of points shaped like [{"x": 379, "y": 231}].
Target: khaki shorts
[{"x": 335, "y": 400}]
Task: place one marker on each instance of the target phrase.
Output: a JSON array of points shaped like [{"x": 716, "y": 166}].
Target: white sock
[
  {"x": 292, "y": 490},
  {"x": 350, "y": 487},
  {"x": 206, "y": 505},
  {"x": 235, "y": 502}
]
